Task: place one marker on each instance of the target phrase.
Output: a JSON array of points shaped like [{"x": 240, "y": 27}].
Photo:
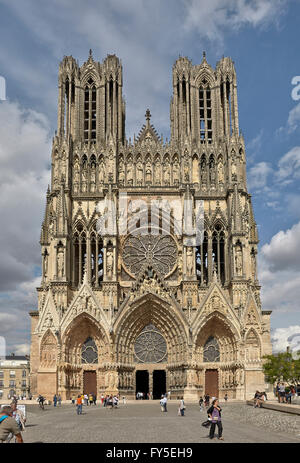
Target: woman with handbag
[{"x": 214, "y": 413}]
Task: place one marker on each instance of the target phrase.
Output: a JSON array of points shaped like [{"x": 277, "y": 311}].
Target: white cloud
[
  {"x": 24, "y": 158},
  {"x": 289, "y": 165},
  {"x": 212, "y": 18},
  {"x": 286, "y": 337},
  {"x": 283, "y": 251},
  {"x": 258, "y": 175},
  {"x": 294, "y": 118},
  {"x": 279, "y": 272}
]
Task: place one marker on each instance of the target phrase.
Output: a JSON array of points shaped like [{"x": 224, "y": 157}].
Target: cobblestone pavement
[{"x": 138, "y": 422}]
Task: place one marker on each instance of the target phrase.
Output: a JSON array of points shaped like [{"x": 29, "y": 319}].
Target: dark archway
[
  {"x": 142, "y": 383},
  {"x": 159, "y": 383}
]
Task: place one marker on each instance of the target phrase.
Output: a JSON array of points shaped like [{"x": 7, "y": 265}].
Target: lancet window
[{"x": 90, "y": 109}]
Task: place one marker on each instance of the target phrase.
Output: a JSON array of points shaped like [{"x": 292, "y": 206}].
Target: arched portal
[
  {"x": 216, "y": 356},
  {"x": 86, "y": 348},
  {"x": 150, "y": 337}
]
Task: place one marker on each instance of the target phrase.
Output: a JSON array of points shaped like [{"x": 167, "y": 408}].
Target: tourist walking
[
  {"x": 201, "y": 403},
  {"x": 181, "y": 407},
  {"x": 281, "y": 392},
  {"x": 91, "y": 399},
  {"x": 41, "y": 401},
  {"x": 59, "y": 400},
  {"x": 214, "y": 413},
  {"x": 206, "y": 400},
  {"x": 79, "y": 405},
  {"x": 94, "y": 399},
  {"x": 54, "y": 400},
  {"x": 86, "y": 399},
  {"x": 163, "y": 403},
  {"x": 8, "y": 425},
  {"x": 226, "y": 397},
  {"x": 73, "y": 399}
]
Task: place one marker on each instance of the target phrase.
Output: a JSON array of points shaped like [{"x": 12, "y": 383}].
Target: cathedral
[{"x": 148, "y": 246}]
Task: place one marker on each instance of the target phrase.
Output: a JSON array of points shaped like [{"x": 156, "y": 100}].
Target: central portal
[
  {"x": 142, "y": 383},
  {"x": 89, "y": 382},
  {"x": 159, "y": 383}
]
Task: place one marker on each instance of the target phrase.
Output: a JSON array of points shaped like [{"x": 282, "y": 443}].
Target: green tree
[{"x": 282, "y": 367}]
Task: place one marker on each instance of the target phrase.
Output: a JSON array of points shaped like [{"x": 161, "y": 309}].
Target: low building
[{"x": 14, "y": 376}]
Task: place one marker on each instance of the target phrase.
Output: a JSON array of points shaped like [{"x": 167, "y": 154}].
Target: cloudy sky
[{"x": 261, "y": 36}]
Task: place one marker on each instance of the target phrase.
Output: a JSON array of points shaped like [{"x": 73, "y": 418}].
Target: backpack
[{"x": 2, "y": 418}]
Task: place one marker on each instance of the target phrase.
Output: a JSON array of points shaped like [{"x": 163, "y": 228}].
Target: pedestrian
[
  {"x": 73, "y": 399},
  {"x": 163, "y": 402},
  {"x": 181, "y": 407},
  {"x": 214, "y": 413},
  {"x": 201, "y": 403},
  {"x": 54, "y": 400},
  {"x": 102, "y": 398},
  {"x": 94, "y": 399},
  {"x": 91, "y": 400},
  {"x": 79, "y": 404},
  {"x": 206, "y": 400},
  {"x": 226, "y": 397},
  {"x": 281, "y": 393},
  {"x": 8, "y": 425},
  {"x": 59, "y": 400},
  {"x": 86, "y": 399}
]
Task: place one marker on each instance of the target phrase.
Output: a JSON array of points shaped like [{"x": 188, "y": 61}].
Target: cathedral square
[{"x": 148, "y": 246}]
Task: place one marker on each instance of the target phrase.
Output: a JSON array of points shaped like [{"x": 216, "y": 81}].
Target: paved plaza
[{"x": 139, "y": 422}]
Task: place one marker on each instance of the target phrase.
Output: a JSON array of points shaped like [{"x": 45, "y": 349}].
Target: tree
[{"x": 282, "y": 367}]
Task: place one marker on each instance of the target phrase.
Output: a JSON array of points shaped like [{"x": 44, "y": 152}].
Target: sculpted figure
[
  {"x": 60, "y": 263},
  {"x": 109, "y": 262},
  {"x": 189, "y": 261}
]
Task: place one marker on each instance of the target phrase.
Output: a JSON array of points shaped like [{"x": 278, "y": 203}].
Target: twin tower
[{"x": 130, "y": 300}]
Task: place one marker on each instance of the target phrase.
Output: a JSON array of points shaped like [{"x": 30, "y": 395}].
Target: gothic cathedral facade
[{"x": 148, "y": 308}]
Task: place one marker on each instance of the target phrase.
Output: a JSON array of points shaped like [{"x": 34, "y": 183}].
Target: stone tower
[{"x": 149, "y": 280}]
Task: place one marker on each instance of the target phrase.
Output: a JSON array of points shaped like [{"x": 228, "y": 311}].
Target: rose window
[
  {"x": 89, "y": 351},
  {"x": 160, "y": 251},
  {"x": 150, "y": 346},
  {"x": 211, "y": 351}
]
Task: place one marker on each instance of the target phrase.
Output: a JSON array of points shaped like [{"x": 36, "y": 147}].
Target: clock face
[{"x": 159, "y": 251}]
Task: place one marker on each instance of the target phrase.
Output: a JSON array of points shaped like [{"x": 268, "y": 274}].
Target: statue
[
  {"x": 176, "y": 173},
  {"x": 60, "y": 263},
  {"x": 167, "y": 175},
  {"x": 101, "y": 173},
  {"x": 220, "y": 172},
  {"x": 238, "y": 261},
  {"x": 189, "y": 261},
  {"x": 45, "y": 264},
  {"x": 157, "y": 173},
  {"x": 129, "y": 173},
  {"x": 148, "y": 173},
  {"x": 109, "y": 262},
  {"x": 139, "y": 173}
]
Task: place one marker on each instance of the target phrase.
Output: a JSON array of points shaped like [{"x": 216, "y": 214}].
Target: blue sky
[{"x": 262, "y": 37}]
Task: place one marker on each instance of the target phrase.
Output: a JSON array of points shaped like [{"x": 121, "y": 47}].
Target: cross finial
[
  {"x": 148, "y": 115},
  {"x": 91, "y": 54}
]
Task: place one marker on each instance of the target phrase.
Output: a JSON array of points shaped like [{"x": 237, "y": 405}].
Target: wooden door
[
  {"x": 211, "y": 383},
  {"x": 89, "y": 382}
]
